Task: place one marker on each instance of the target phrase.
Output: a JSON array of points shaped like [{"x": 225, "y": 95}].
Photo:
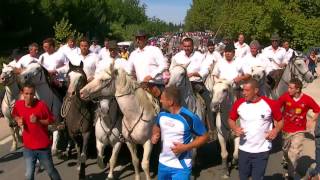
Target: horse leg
[
  {"x": 85, "y": 139},
  {"x": 135, "y": 161},
  {"x": 145, "y": 163},
  {"x": 100, "y": 148},
  {"x": 236, "y": 152},
  {"x": 55, "y": 137},
  {"x": 113, "y": 159},
  {"x": 223, "y": 146},
  {"x": 14, "y": 135}
]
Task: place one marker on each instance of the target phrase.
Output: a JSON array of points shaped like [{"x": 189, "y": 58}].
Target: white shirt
[
  {"x": 249, "y": 61},
  {"x": 276, "y": 57},
  {"x": 52, "y": 61},
  {"x": 214, "y": 56},
  {"x": 256, "y": 119},
  {"x": 104, "y": 53},
  {"x": 196, "y": 63},
  {"x": 95, "y": 49},
  {"x": 119, "y": 63},
  {"x": 148, "y": 61},
  {"x": 228, "y": 70},
  {"x": 89, "y": 63},
  {"x": 24, "y": 61},
  {"x": 65, "y": 50},
  {"x": 241, "y": 50},
  {"x": 288, "y": 54}
]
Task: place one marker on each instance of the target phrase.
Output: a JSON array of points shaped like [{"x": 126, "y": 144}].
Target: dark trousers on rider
[
  {"x": 273, "y": 77},
  {"x": 199, "y": 87},
  {"x": 252, "y": 165}
]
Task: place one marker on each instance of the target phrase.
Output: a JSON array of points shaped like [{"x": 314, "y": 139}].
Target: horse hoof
[
  {"x": 226, "y": 176},
  {"x": 234, "y": 163},
  {"x": 100, "y": 162},
  {"x": 83, "y": 158},
  {"x": 110, "y": 178}
]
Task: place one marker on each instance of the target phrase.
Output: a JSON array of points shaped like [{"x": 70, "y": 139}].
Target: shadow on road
[
  {"x": 11, "y": 156},
  {"x": 276, "y": 176}
]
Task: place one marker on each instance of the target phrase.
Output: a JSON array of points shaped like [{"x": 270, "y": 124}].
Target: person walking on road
[
  {"x": 176, "y": 128},
  {"x": 34, "y": 116},
  {"x": 295, "y": 108},
  {"x": 260, "y": 123}
]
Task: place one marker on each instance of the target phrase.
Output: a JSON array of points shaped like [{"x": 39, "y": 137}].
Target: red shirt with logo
[
  {"x": 295, "y": 112},
  {"x": 35, "y": 135}
]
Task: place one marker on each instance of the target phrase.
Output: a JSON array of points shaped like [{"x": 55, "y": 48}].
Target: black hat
[
  {"x": 113, "y": 45},
  {"x": 210, "y": 43},
  {"x": 275, "y": 36},
  {"x": 140, "y": 33},
  {"x": 229, "y": 47}
]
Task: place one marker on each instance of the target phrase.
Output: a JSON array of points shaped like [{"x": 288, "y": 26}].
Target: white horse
[
  {"x": 138, "y": 114},
  {"x": 179, "y": 79},
  {"x": 108, "y": 121},
  {"x": 35, "y": 74},
  {"x": 12, "y": 92},
  {"x": 296, "y": 68},
  {"x": 259, "y": 73},
  {"x": 222, "y": 101}
]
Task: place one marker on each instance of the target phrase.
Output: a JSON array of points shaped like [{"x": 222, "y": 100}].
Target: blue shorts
[{"x": 169, "y": 173}]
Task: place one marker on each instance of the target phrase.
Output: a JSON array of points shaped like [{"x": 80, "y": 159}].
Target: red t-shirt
[
  {"x": 35, "y": 135},
  {"x": 295, "y": 112}
]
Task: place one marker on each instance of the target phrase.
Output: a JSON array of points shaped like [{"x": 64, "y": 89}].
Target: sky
[{"x": 168, "y": 10}]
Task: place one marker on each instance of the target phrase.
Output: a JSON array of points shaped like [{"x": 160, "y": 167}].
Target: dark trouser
[
  {"x": 274, "y": 77},
  {"x": 45, "y": 158},
  {"x": 252, "y": 164},
  {"x": 316, "y": 170},
  {"x": 199, "y": 87}
]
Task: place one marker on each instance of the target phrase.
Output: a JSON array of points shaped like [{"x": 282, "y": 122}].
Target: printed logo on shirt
[
  {"x": 298, "y": 110},
  {"x": 262, "y": 116},
  {"x": 288, "y": 103},
  {"x": 169, "y": 123}
]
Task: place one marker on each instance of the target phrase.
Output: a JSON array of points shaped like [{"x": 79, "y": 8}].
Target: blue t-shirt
[{"x": 178, "y": 128}]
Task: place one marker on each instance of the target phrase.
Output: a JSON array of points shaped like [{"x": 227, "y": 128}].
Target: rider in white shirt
[
  {"x": 211, "y": 54},
  {"x": 25, "y": 60},
  {"x": 148, "y": 64},
  {"x": 69, "y": 47},
  {"x": 277, "y": 58},
  {"x": 197, "y": 70},
  {"x": 95, "y": 47},
  {"x": 289, "y": 52},
  {"x": 242, "y": 49},
  {"x": 104, "y": 52},
  {"x": 112, "y": 59}
]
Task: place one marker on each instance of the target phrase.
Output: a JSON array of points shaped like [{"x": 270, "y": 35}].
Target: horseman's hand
[
  {"x": 53, "y": 72},
  {"x": 190, "y": 75},
  {"x": 19, "y": 121},
  {"x": 238, "y": 131},
  {"x": 178, "y": 148},
  {"x": 282, "y": 65},
  {"x": 237, "y": 79},
  {"x": 147, "y": 79},
  {"x": 271, "y": 135}
]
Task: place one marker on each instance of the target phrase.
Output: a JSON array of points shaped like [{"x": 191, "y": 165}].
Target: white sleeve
[
  {"x": 129, "y": 68},
  {"x": 216, "y": 70},
  {"x": 205, "y": 66},
  {"x": 161, "y": 61}
]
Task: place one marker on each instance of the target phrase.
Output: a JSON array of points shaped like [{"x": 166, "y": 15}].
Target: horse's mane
[{"x": 126, "y": 85}]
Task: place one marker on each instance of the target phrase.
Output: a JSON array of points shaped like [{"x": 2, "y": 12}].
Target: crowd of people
[{"x": 261, "y": 119}]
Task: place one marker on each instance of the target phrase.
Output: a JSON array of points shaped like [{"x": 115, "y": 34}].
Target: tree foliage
[
  {"x": 298, "y": 21},
  {"x": 22, "y": 22}
]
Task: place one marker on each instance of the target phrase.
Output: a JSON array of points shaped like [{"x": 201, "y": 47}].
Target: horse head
[
  {"x": 178, "y": 74},
  {"x": 100, "y": 85},
  {"x": 7, "y": 76},
  {"x": 299, "y": 69},
  {"x": 258, "y": 72},
  {"x": 221, "y": 90},
  {"x": 32, "y": 73},
  {"x": 76, "y": 79}
]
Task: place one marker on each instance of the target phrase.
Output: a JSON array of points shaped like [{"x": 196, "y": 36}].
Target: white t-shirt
[
  {"x": 95, "y": 49},
  {"x": 89, "y": 63},
  {"x": 249, "y": 61},
  {"x": 214, "y": 56},
  {"x": 52, "y": 61},
  {"x": 148, "y": 61},
  {"x": 241, "y": 50},
  {"x": 256, "y": 119},
  {"x": 119, "y": 63}
]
